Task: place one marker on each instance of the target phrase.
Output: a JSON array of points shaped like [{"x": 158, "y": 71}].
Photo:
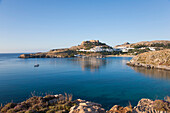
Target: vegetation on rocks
[
  {"x": 35, "y": 104},
  {"x": 137, "y": 51},
  {"x": 155, "y": 59},
  {"x": 120, "y": 109},
  {"x": 64, "y": 104}
]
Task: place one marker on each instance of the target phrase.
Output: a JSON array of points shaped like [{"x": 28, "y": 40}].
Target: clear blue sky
[{"x": 40, "y": 25}]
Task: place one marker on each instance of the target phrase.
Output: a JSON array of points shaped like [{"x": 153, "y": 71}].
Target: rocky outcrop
[
  {"x": 64, "y": 104},
  {"x": 36, "y": 104},
  {"x": 149, "y": 106},
  {"x": 120, "y": 109},
  {"x": 89, "y": 44},
  {"x": 86, "y": 107},
  {"x": 126, "y": 43},
  {"x": 143, "y": 106},
  {"x": 90, "y": 41},
  {"x": 58, "y": 53},
  {"x": 154, "y": 59},
  {"x": 37, "y": 55}
]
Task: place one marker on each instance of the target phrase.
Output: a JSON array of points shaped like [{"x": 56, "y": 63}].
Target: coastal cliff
[
  {"x": 154, "y": 59},
  {"x": 64, "y": 104}
]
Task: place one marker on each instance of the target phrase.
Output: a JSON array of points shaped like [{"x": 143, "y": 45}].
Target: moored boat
[{"x": 36, "y": 65}]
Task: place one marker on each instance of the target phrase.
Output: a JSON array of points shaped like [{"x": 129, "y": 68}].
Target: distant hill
[
  {"x": 97, "y": 48},
  {"x": 68, "y": 52},
  {"x": 156, "y": 43}
]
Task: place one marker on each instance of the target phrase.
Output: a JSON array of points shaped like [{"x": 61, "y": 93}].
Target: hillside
[
  {"x": 154, "y": 59},
  {"x": 96, "y": 48},
  {"x": 156, "y": 43},
  {"x": 69, "y": 52}
]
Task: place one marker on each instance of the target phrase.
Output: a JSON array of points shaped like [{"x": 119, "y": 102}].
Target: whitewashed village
[
  {"x": 95, "y": 48},
  {"x": 123, "y": 49}
]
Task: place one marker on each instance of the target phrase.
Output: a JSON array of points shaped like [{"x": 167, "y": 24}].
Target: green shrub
[{"x": 139, "y": 46}]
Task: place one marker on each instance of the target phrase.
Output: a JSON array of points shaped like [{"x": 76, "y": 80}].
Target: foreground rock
[
  {"x": 144, "y": 106},
  {"x": 35, "y": 104},
  {"x": 64, "y": 104},
  {"x": 154, "y": 59},
  {"x": 86, "y": 107},
  {"x": 120, "y": 109},
  {"x": 149, "y": 106}
]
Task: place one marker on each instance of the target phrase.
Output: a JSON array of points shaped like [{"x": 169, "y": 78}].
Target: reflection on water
[
  {"x": 90, "y": 63},
  {"x": 154, "y": 73},
  {"x": 124, "y": 62}
]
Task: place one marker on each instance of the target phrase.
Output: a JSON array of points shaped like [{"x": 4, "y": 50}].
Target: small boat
[{"x": 36, "y": 65}]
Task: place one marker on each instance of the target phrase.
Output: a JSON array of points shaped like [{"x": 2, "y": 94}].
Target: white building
[
  {"x": 123, "y": 49},
  {"x": 152, "y": 48},
  {"x": 97, "y": 49},
  {"x": 142, "y": 48}
]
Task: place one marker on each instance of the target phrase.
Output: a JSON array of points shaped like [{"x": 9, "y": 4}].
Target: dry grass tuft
[
  {"x": 167, "y": 98},
  {"x": 36, "y": 104}
]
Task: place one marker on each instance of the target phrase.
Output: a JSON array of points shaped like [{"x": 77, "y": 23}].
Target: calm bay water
[{"x": 107, "y": 81}]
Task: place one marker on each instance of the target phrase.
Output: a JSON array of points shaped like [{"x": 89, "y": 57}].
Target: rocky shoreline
[
  {"x": 148, "y": 66},
  {"x": 64, "y": 104},
  {"x": 152, "y": 60}
]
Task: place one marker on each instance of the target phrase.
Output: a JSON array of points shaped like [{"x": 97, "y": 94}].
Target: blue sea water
[{"x": 107, "y": 81}]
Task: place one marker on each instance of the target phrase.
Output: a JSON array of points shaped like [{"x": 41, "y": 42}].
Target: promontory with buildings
[{"x": 95, "y": 48}]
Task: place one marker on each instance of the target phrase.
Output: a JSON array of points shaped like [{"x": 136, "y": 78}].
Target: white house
[
  {"x": 152, "y": 48},
  {"x": 97, "y": 49},
  {"x": 142, "y": 48},
  {"x": 123, "y": 49}
]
